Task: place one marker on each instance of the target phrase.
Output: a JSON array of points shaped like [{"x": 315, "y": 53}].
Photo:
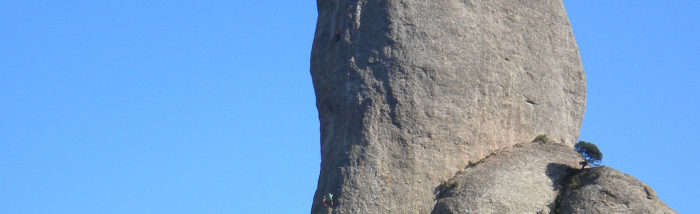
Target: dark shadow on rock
[
  {"x": 445, "y": 189},
  {"x": 559, "y": 173},
  {"x": 443, "y": 207},
  {"x": 437, "y": 192}
]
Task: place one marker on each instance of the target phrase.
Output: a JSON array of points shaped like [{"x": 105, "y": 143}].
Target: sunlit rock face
[{"x": 410, "y": 91}]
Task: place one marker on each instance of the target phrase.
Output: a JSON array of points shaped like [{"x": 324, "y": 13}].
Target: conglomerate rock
[{"x": 410, "y": 91}]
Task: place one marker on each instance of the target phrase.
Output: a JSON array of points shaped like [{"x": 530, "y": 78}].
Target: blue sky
[{"x": 208, "y": 106}]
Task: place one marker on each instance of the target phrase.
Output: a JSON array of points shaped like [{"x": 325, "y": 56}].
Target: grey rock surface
[
  {"x": 410, "y": 91},
  {"x": 606, "y": 190},
  {"x": 526, "y": 178}
]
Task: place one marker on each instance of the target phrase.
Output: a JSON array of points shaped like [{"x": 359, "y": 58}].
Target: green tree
[{"x": 589, "y": 152}]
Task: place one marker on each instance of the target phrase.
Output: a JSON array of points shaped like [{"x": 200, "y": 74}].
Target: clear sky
[{"x": 208, "y": 106}]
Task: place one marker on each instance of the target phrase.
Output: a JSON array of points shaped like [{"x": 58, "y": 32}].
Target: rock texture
[
  {"x": 410, "y": 91},
  {"x": 606, "y": 190},
  {"x": 430, "y": 106},
  {"x": 526, "y": 178},
  {"x": 543, "y": 178}
]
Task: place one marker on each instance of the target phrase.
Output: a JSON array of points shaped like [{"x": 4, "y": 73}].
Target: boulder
[
  {"x": 606, "y": 190},
  {"x": 526, "y": 178}
]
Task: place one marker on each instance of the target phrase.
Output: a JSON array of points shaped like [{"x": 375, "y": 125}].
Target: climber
[
  {"x": 330, "y": 199},
  {"x": 327, "y": 200}
]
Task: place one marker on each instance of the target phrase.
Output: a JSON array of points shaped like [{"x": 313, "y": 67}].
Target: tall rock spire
[{"x": 411, "y": 91}]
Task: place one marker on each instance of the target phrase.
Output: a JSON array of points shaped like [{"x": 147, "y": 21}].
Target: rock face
[
  {"x": 410, "y": 91},
  {"x": 526, "y": 178},
  {"x": 606, "y": 190},
  {"x": 430, "y": 106}
]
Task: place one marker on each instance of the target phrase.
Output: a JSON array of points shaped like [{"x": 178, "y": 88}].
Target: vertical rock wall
[{"x": 410, "y": 91}]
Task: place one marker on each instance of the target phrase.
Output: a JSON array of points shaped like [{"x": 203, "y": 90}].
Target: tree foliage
[{"x": 589, "y": 152}]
